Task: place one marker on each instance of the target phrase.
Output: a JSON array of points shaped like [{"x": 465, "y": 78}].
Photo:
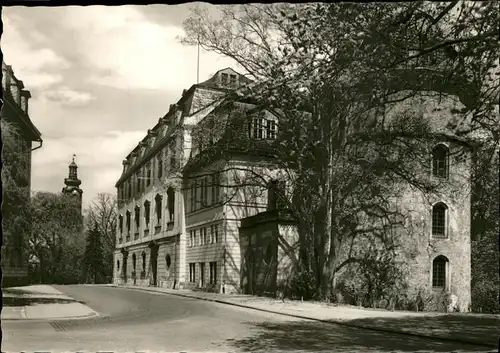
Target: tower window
[
  {"x": 439, "y": 215},
  {"x": 439, "y": 272},
  {"x": 440, "y": 165}
]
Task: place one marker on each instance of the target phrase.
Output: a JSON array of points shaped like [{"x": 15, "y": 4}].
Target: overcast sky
[{"x": 100, "y": 76}]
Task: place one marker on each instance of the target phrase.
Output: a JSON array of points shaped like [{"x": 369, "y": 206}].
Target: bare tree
[{"x": 103, "y": 213}]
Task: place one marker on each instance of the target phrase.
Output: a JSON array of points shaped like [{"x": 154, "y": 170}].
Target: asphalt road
[{"x": 139, "y": 321}]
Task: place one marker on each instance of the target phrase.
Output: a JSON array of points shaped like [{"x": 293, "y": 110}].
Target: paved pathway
[
  {"x": 467, "y": 328},
  {"x": 147, "y": 321},
  {"x": 45, "y": 302}
]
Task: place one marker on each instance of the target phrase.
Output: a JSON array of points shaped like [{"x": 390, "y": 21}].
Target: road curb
[
  {"x": 67, "y": 318},
  {"x": 333, "y": 321}
]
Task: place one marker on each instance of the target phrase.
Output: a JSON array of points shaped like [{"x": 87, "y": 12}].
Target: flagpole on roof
[{"x": 198, "y": 59}]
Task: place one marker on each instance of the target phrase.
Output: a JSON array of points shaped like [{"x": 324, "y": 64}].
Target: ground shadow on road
[
  {"x": 311, "y": 336},
  {"x": 478, "y": 328}
]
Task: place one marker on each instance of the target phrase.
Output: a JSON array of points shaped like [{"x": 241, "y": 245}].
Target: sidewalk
[
  {"x": 468, "y": 328},
  {"x": 42, "y": 302}
]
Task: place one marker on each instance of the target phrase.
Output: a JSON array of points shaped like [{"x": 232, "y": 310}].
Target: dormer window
[
  {"x": 233, "y": 79},
  {"x": 271, "y": 129},
  {"x": 262, "y": 128},
  {"x": 258, "y": 128},
  {"x": 224, "y": 79}
]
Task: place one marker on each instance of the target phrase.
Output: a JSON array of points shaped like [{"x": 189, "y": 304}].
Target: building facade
[
  {"x": 18, "y": 135},
  {"x": 151, "y": 236},
  {"x": 196, "y": 202}
]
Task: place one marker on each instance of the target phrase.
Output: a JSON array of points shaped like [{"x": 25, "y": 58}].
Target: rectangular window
[
  {"x": 173, "y": 160},
  {"x": 138, "y": 182},
  {"x": 216, "y": 236},
  {"x": 198, "y": 194},
  {"x": 192, "y": 272},
  {"x": 216, "y": 192},
  {"x": 212, "y": 234},
  {"x": 193, "y": 196},
  {"x": 195, "y": 239},
  {"x": 233, "y": 79},
  {"x": 258, "y": 129},
  {"x": 213, "y": 272},
  {"x": 148, "y": 177},
  {"x": 190, "y": 238},
  {"x": 225, "y": 78},
  {"x": 120, "y": 222},
  {"x": 204, "y": 191},
  {"x": 146, "y": 213},
  {"x": 160, "y": 166},
  {"x": 271, "y": 129},
  {"x": 205, "y": 240}
]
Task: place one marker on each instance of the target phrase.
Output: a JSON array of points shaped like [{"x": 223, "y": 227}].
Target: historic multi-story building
[
  {"x": 18, "y": 134},
  {"x": 151, "y": 235},
  {"x": 197, "y": 202}
]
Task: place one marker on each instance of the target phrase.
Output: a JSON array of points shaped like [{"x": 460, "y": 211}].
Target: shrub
[{"x": 303, "y": 285}]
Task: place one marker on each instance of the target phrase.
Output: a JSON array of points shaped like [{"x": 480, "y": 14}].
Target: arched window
[
  {"x": 158, "y": 199},
  {"x": 134, "y": 261},
  {"x": 439, "y": 220},
  {"x": 171, "y": 203},
  {"x": 439, "y": 272},
  {"x": 440, "y": 161}
]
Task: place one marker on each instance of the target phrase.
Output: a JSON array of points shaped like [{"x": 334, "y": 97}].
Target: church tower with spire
[{"x": 73, "y": 183}]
